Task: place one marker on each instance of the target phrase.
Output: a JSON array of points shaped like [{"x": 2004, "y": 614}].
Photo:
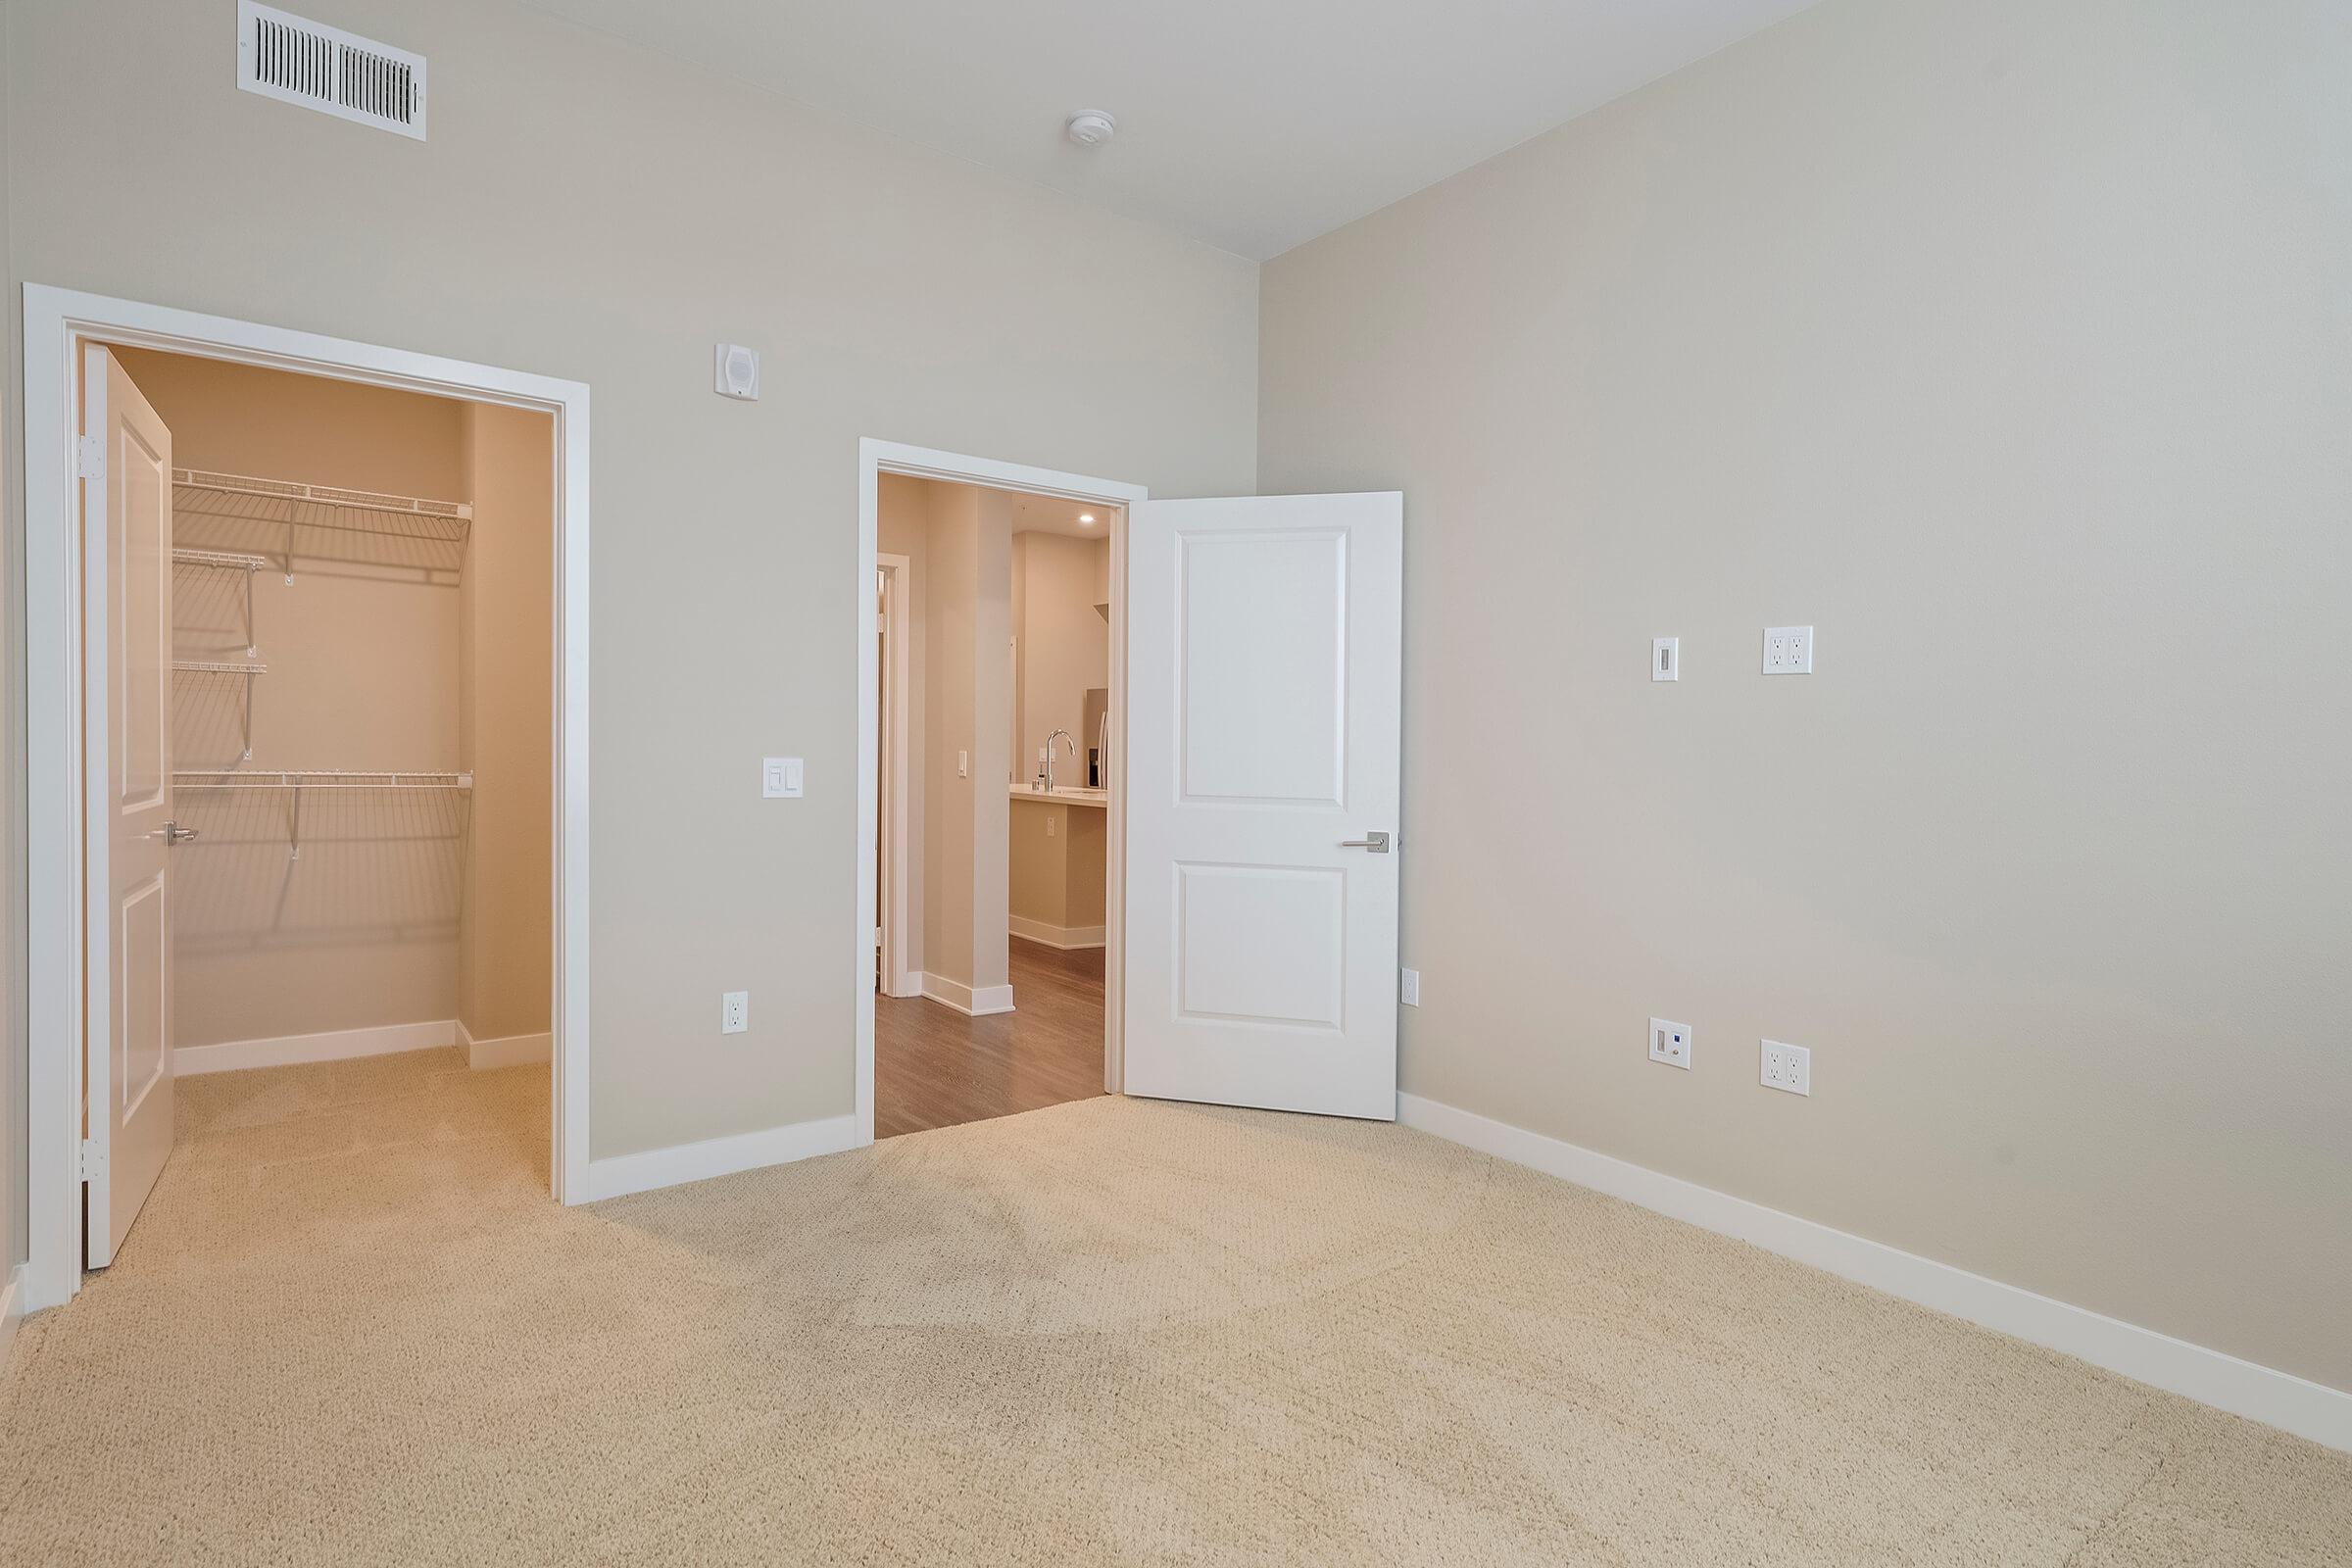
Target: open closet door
[
  {"x": 125, "y": 461},
  {"x": 1263, "y": 669}
]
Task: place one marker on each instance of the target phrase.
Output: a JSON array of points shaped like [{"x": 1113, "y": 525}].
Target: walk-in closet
[{"x": 360, "y": 727}]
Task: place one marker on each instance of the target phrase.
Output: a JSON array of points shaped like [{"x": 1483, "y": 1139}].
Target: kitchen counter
[{"x": 1064, "y": 795}]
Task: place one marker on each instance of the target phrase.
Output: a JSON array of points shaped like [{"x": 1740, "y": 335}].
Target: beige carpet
[{"x": 352, "y": 1329}]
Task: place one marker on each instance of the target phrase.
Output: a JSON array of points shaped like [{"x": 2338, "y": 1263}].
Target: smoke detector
[{"x": 1091, "y": 128}]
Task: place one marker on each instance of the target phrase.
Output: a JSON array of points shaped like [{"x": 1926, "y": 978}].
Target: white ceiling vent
[{"x": 326, "y": 69}]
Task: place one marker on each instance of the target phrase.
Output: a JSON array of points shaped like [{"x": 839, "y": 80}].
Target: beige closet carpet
[{"x": 352, "y": 1329}]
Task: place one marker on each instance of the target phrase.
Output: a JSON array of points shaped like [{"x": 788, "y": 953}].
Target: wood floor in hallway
[{"x": 936, "y": 1067}]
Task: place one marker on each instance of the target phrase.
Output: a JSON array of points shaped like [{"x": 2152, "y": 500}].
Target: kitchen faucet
[{"x": 1064, "y": 736}]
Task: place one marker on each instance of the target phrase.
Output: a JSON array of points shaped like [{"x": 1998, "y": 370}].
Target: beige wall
[
  {"x": 1064, "y": 648},
  {"x": 580, "y": 210},
  {"x": 903, "y": 511},
  {"x": 362, "y": 650},
  {"x": 11, "y": 748},
  {"x": 968, "y": 701},
  {"x": 507, "y": 723},
  {"x": 2002, "y": 342}
]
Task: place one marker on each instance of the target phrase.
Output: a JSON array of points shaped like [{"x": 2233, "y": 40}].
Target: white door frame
[
  {"x": 898, "y": 976},
  {"x": 875, "y": 459},
  {"x": 57, "y": 323}
]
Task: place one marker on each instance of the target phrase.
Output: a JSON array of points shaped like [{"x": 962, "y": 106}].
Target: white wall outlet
[
  {"x": 734, "y": 1012},
  {"x": 780, "y": 778},
  {"x": 1789, "y": 1067},
  {"x": 1051, "y": 817},
  {"x": 1410, "y": 989},
  {"x": 1670, "y": 1043},
  {"x": 738, "y": 372},
  {"x": 1666, "y": 659},
  {"x": 1788, "y": 649}
]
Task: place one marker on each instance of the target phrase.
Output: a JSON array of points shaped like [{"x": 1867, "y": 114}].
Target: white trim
[
  {"x": 923, "y": 462},
  {"x": 2277, "y": 1399},
  {"x": 56, "y": 322},
  {"x": 12, "y": 1313},
  {"x": 333, "y": 1045},
  {"x": 504, "y": 1050},
  {"x": 618, "y": 1175},
  {"x": 976, "y": 1001},
  {"x": 899, "y": 977},
  {"x": 1068, "y": 938}
]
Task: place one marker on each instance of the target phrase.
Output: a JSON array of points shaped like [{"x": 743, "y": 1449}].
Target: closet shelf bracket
[
  {"x": 228, "y": 560},
  {"x": 207, "y": 666}
]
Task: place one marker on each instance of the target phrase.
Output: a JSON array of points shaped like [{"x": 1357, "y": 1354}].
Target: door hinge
[
  {"x": 84, "y": 1161},
  {"x": 89, "y": 458}
]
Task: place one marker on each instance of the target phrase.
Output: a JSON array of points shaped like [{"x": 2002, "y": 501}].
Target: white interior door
[
  {"x": 1263, "y": 668},
  {"x": 125, "y": 459}
]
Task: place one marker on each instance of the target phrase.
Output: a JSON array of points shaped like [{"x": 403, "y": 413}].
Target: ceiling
[
  {"x": 1253, "y": 125},
  {"x": 1045, "y": 514}
]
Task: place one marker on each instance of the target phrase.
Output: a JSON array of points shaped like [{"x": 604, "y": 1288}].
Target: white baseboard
[
  {"x": 979, "y": 1001},
  {"x": 12, "y": 1312},
  {"x": 504, "y": 1050},
  {"x": 1065, "y": 937},
  {"x": 337, "y": 1045},
  {"x": 619, "y": 1175},
  {"x": 2277, "y": 1399}
]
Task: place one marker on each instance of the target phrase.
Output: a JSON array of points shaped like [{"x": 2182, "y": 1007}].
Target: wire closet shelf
[
  {"x": 410, "y": 531},
  {"x": 296, "y": 782}
]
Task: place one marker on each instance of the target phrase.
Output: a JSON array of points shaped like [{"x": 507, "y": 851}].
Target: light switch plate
[
  {"x": 1670, "y": 1043},
  {"x": 734, "y": 1011},
  {"x": 780, "y": 778},
  {"x": 1788, "y": 649},
  {"x": 1666, "y": 659},
  {"x": 1789, "y": 1067},
  {"x": 1410, "y": 990}
]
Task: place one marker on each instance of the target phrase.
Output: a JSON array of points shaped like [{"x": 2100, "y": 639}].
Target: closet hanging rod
[
  {"x": 246, "y": 484},
  {"x": 226, "y": 561},
  {"x": 212, "y": 667},
  {"x": 320, "y": 778}
]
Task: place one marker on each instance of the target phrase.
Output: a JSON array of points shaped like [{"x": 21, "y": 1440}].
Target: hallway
[{"x": 936, "y": 1067}]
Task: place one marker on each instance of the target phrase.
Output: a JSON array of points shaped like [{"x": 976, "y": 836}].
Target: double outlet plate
[{"x": 1783, "y": 1067}]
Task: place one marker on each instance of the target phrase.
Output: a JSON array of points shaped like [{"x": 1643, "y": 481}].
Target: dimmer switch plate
[{"x": 1666, "y": 659}]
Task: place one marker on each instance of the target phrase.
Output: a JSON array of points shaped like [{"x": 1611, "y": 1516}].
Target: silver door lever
[
  {"x": 174, "y": 833},
  {"x": 1377, "y": 843}
]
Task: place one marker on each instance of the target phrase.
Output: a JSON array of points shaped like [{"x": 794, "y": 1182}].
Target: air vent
[{"x": 335, "y": 73}]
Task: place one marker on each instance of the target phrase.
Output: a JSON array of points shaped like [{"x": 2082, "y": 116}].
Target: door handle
[
  {"x": 174, "y": 833},
  {"x": 1377, "y": 843}
]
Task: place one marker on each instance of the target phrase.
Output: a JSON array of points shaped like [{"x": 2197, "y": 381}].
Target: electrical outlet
[
  {"x": 1789, "y": 1067},
  {"x": 1670, "y": 1043},
  {"x": 1410, "y": 989},
  {"x": 734, "y": 1012},
  {"x": 1788, "y": 649},
  {"x": 1051, "y": 817},
  {"x": 1666, "y": 659}
]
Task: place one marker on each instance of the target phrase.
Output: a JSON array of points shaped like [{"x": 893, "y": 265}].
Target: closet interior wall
[{"x": 364, "y": 654}]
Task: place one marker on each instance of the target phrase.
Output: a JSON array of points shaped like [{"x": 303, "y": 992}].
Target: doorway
[
  {"x": 994, "y": 660},
  {"x": 386, "y": 837},
  {"x": 1036, "y": 1021}
]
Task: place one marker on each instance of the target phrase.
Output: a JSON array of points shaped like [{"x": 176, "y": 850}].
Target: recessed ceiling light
[{"x": 1087, "y": 518}]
